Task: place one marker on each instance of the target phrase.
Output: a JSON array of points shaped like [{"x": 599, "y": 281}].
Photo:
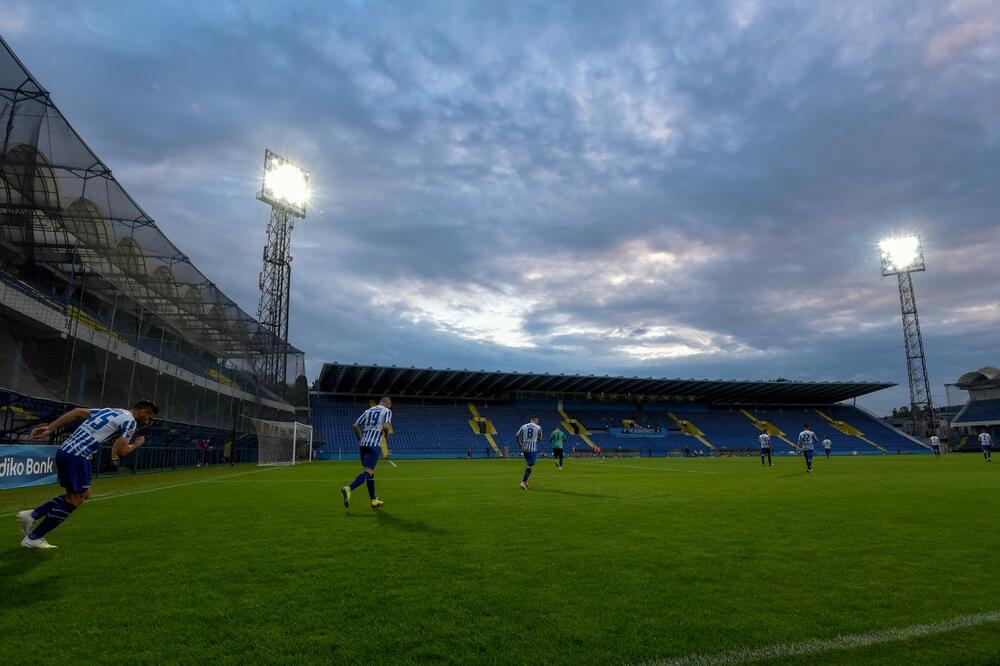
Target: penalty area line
[{"x": 822, "y": 645}]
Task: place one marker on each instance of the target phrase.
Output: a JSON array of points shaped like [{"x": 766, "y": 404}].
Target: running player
[
  {"x": 369, "y": 429},
  {"x": 986, "y": 444},
  {"x": 528, "y": 437},
  {"x": 73, "y": 461},
  {"x": 827, "y": 444},
  {"x": 936, "y": 445},
  {"x": 556, "y": 440},
  {"x": 807, "y": 445},
  {"x": 765, "y": 449}
]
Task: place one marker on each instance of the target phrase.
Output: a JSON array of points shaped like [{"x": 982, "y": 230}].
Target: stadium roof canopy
[
  {"x": 984, "y": 378},
  {"x": 428, "y": 383},
  {"x": 61, "y": 207}
]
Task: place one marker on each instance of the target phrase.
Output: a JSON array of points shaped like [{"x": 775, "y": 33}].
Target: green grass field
[{"x": 616, "y": 562}]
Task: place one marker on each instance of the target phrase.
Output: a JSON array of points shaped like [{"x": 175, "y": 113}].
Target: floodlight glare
[
  {"x": 286, "y": 185},
  {"x": 902, "y": 254}
]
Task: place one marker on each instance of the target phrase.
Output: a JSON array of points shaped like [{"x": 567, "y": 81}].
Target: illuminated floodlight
[
  {"x": 901, "y": 254},
  {"x": 285, "y": 185}
]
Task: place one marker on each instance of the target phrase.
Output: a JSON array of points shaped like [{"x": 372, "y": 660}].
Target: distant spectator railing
[{"x": 147, "y": 459}]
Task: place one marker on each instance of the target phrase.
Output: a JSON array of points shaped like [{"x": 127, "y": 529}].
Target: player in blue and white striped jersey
[
  {"x": 807, "y": 445},
  {"x": 369, "y": 429},
  {"x": 765, "y": 449},
  {"x": 73, "y": 461},
  {"x": 936, "y": 445},
  {"x": 528, "y": 436},
  {"x": 986, "y": 444}
]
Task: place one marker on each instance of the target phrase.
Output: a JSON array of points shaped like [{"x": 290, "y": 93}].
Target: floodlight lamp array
[
  {"x": 285, "y": 185},
  {"x": 901, "y": 254}
]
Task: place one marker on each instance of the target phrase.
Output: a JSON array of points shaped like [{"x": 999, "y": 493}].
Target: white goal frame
[{"x": 283, "y": 443}]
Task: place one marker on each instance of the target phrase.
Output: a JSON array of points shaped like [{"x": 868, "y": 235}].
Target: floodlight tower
[
  {"x": 285, "y": 187},
  {"x": 902, "y": 256}
]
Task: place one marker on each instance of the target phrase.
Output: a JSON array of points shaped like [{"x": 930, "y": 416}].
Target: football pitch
[{"x": 888, "y": 560}]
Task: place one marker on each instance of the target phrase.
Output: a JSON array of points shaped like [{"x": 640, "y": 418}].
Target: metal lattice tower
[
  {"x": 921, "y": 405},
  {"x": 275, "y": 297},
  {"x": 286, "y": 189}
]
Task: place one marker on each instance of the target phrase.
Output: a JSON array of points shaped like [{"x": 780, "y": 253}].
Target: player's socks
[
  {"x": 527, "y": 473},
  {"x": 41, "y": 511},
  {"x": 371, "y": 488},
  {"x": 57, "y": 514},
  {"x": 358, "y": 480}
]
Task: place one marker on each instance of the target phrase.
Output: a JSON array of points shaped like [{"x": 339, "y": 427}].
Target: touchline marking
[
  {"x": 820, "y": 645},
  {"x": 393, "y": 479},
  {"x": 647, "y": 469},
  {"x": 168, "y": 487}
]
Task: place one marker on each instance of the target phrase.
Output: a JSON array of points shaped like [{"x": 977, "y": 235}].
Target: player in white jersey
[
  {"x": 73, "y": 461},
  {"x": 827, "y": 445},
  {"x": 528, "y": 436},
  {"x": 807, "y": 445},
  {"x": 765, "y": 449},
  {"x": 936, "y": 445},
  {"x": 369, "y": 428},
  {"x": 986, "y": 444}
]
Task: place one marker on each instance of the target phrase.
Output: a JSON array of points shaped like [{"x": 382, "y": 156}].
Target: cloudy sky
[{"x": 679, "y": 189}]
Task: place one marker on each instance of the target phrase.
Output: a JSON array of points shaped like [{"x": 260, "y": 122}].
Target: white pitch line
[
  {"x": 821, "y": 645},
  {"x": 151, "y": 490},
  {"x": 393, "y": 479},
  {"x": 646, "y": 469}
]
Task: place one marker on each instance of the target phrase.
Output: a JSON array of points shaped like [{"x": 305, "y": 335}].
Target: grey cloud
[{"x": 462, "y": 146}]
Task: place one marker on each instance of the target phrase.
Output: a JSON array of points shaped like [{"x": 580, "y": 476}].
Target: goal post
[
  {"x": 303, "y": 436},
  {"x": 283, "y": 442}
]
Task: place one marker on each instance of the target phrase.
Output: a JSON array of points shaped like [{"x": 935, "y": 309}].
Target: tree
[{"x": 298, "y": 393}]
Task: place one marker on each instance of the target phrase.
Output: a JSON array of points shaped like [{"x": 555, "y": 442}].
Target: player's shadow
[
  {"x": 571, "y": 493},
  {"x": 404, "y": 524},
  {"x": 15, "y": 590}
]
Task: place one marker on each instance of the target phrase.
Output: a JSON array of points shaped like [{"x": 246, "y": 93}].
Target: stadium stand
[
  {"x": 97, "y": 304},
  {"x": 509, "y": 418},
  {"x": 169, "y": 444},
  {"x": 432, "y": 418},
  {"x": 726, "y": 428},
  {"x": 876, "y": 430},
  {"x": 979, "y": 411}
]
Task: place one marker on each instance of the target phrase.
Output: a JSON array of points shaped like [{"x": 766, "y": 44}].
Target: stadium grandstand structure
[
  {"x": 981, "y": 413},
  {"x": 97, "y": 305},
  {"x": 169, "y": 444},
  {"x": 457, "y": 413}
]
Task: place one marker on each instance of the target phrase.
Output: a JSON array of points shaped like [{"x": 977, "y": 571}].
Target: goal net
[{"x": 283, "y": 443}]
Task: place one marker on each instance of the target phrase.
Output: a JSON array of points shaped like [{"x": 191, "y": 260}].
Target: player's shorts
[
  {"x": 530, "y": 457},
  {"x": 370, "y": 456},
  {"x": 808, "y": 453},
  {"x": 765, "y": 451},
  {"x": 987, "y": 447},
  {"x": 73, "y": 472},
  {"x": 557, "y": 453}
]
